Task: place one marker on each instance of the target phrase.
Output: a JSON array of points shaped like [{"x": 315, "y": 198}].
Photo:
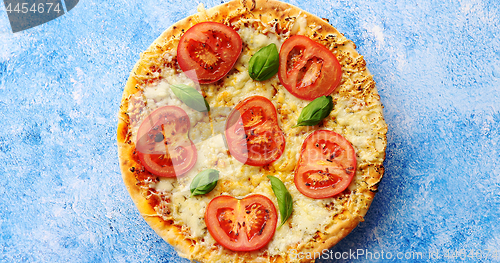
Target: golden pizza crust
[{"x": 282, "y": 16}]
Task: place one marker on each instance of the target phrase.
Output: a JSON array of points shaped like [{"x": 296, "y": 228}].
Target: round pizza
[{"x": 251, "y": 132}]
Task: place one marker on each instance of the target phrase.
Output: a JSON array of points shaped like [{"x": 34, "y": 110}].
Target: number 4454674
[{"x": 40, "y": 8}]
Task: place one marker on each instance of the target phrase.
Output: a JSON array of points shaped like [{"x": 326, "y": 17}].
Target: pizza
[{"x": 251, "y": 132}]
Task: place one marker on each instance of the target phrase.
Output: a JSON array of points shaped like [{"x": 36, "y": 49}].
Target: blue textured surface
[{"x": 436, "y": 64}]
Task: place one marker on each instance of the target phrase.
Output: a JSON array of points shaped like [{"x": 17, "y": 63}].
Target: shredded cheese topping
[{"x": 358, "y": 119}]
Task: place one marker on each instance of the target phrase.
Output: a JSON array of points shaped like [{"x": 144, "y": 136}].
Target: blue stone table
[{"x": 437, "y": 67}]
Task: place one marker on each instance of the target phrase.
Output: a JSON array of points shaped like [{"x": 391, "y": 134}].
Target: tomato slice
[
  {"x": 241, "y": 224},
  {"x": 208, "y": 51},
  {"x": 252, "y": 132},
  {"x": 326, "y": 166},
  {"x": 163, "y": 145},
  {"x": 307, "y": 69}
]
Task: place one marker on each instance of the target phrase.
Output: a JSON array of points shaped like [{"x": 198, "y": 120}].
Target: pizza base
[{"x": 266, "y": 11}]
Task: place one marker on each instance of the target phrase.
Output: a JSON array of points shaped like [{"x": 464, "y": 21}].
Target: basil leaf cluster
[
  {"x": 285, "y": 201},
  {"x": 265, "y": 63},
  {"x": 190, "y": 96},
  {"x": 315, "y": 111},
  {"x": 204, "y": 182}
]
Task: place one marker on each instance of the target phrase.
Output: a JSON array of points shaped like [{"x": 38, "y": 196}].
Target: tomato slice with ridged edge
[
  {"x": 241, "y": 224},
  {"x": 208, "y": 51},
  {"x": 252, "y": 132},
  {"x": 307, "y": 69},
  {"x": 163, "y": 145},
  {"x": 326, "y": 166}
]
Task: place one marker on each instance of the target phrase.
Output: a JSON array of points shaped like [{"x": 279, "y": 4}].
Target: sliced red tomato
[
  {"x": 326, "y": 166},
  {"x": 308, "y": 69},
  {"x": 163, "y": 145},
  {"x": 208, "y": 51},
  {"x": 252, "y": 132},
  {"x": 241, "y": 225}
]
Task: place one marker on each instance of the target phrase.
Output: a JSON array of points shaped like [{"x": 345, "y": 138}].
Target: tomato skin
[
  {"x": 163, "y": 145},
  {"x": 326, "y": 166},
  {"x": 253, "y": 134},
  {"x": 307, "y": 69},
  {"x": 208, "y": 51},
  {"x": 238, "y": 225}
]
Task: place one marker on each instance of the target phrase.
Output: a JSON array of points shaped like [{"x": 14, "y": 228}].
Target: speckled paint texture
[{"x": 436, "y": 64}]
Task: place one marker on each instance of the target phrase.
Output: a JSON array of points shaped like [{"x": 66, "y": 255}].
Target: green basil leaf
[
  {"x": 204, "y": 182},
  {"x": 265, "y": 63},
  {"x": 315, "y": 111},
  {"x": 285, "y": 201},
  {"x": 190, "y": 96}
]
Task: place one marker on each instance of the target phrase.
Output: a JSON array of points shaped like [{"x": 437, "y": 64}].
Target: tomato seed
[{"x": 159, "y": 137}]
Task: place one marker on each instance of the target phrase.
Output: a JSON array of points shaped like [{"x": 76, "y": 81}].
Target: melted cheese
[
  {"x": 349, "y": 117},
  {"x": 300, "y": 25},
  {"x": 160, "y": 94}
]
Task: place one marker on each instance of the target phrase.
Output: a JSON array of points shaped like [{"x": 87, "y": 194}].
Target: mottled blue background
[{"x": 437, "y": 67}]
